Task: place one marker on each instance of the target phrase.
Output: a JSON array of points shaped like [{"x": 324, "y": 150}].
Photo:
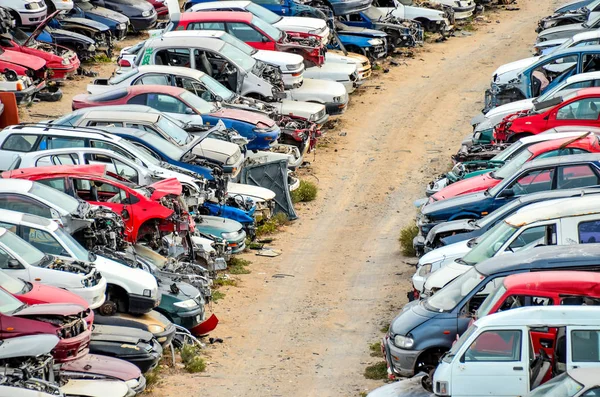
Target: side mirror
[
  {"x": 14, "y": 264},
  {"x": 507, "y": 193},
  {"x": 189, "y": 111},
  {"x": 265, "y": 39}
]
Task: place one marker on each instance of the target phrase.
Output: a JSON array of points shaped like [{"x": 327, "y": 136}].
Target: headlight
[
  {"x": 337, "y": 99},
  {"x": 403, "y": 342},
  {"x": 262, "y": 130},
  {"x": 147, "y": 293},
  {"x": 292, "y": 67},
  {"x": 66, "y": 61},
  {"x": 477, "y": 135},
  {"x": 188, "y": 304},
  {"x": 230, "y": 235},
  {"x": 147, "y": 13},
  {"x": 155, "y": 329},
  {"x": 424, "y": 270},
  {"x": 375, "y": 42},
  {"x": 122, "y": 26}
]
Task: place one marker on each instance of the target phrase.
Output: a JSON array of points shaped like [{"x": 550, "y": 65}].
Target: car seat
[{"x": 203, "y": 64}]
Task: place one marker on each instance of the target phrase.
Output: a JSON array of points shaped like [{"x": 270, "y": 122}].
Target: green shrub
[
  {"x": 152, "y": 378},
  {"x": 217, "y": 296},
  {"x": 238, "y": 266},
  {"x": 375, "y": 349},
  {"x": 377, "y": 371},
  {"x": 190, "y": 357},
  {"x": 407, "y": 234},
  {"x": 307, "y": 191}
]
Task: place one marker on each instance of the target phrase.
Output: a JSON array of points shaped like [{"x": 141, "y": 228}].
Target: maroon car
[
  {"x": 67, "y": 321},
  {"x": 160, "y": 6}
]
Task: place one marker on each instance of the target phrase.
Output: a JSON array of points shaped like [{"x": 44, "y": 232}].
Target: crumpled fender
[{"x": 165, "y": 187}]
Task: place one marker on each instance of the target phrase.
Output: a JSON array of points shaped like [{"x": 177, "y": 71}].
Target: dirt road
[{"x": 341, "y": 275}]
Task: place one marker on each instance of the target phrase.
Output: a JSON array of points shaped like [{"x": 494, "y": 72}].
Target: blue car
[
  {"x": 116, "y": 22},
  {"x": 564, "y": 172},
  {"x": 315, "y": 8},
  {"x": 368, "y": 42}
]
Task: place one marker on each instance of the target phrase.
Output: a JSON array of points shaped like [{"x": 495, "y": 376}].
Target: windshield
[
  {"x": 373, "y": 13},
  {"x": 489, "y": 243},
  {"x": 561, "y": 386},
  {"x": 245, "y": 62},
  {"x": 217, "y": 88},
  {"x": 239, "y": 44},
  {"x": 508, "y": 152},
  {"x": 167, "y": 148},
  {"x": 22, "y": 248},
  {"x": 139, "y": 153},
  {"x": 508, "y": 169},
  {"x": 9, "y": 303},
  {"x": 19, "y": 36},
  {"x": 447, "y": 298},
  {"x": 56, "y": 197},
  {"x": 13, "y": 285},
  {"x": 263, "y": 13},
  {"x": 271, "y": 31},
  {"x": 461, "y": 341},
  {"x": 197, "y": 103},
  {"x": 157, "y": 260},
  {"x": 491, "y": 301},
  {"x": 78, "y": 251},
  {"x": 178, "y": 134}
]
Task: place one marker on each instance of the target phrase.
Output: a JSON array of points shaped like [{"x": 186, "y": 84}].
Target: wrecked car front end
[
  {"x": 563, "y": 18},
  {"x": 401, "y": 32},
  {"x": 505, "y": 89}
]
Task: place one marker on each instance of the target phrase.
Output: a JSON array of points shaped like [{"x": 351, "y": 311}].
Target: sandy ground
[{"x": 300, "y": 324}]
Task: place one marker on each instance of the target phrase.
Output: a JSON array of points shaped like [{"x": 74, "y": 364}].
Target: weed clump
[
  {"x": 190, "y": 357},
  {"x": 307, "y": 191},
  {"x": 377, "y": 371},
  {"x": 407, "y": 234}
]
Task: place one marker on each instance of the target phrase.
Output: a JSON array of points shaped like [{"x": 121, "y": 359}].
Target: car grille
[
  {"x": 378, "y": 51},
  {"x": 72, "y": 329},
  {"x": 120, "y": 35}
]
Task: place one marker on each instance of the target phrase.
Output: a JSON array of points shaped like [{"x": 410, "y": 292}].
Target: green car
[{"x": 230, "y": 230}]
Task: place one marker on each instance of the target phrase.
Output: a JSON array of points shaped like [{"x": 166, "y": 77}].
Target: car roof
[
  {"x": 178, "y": 70},
  {"x": 15, "y": 186},
  {"x": 583, "y": 76},
  {"x": 191, "y": 33},
  {"x": 552, "y": 134},
  {"x": 211, "y": 43},
  {"x": 558, "y": 160},
  {"x": 587, "y": 91},
  {"x": 570, "y": 128},
  {"x": 558, "y": 193},
  {"x": 133, "y": 113},
  {"x": 573, "y": 50},
  {"x": 22, "y": 219},
  {"x": 552, "y": 316},
  {"x": 232, "y": 3},
  {"x": 90, "y": 170},
  {"x": 546, "y": 257},
  {"x": 553, "y": 209},
  {"x": 586, "y": 35},
  {"x": 570, "y": 142},
  {"x": 231, "y": 16},
  {"x": 49, "y": 129},
  {"x": 564, "y": 282},
  {"x": 160, "y": 89}
]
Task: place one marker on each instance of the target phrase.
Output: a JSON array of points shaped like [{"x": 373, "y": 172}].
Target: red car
[
  {"x": 23, "y": 65},
  {"x": 60, "y": 61},
  {"x": 580, "y": 108},
  {"x": 160, "y": 6},
  {"x": 148, "y": 211},
  {"x": 253, "y": 31},
  {"x": 555, "y": 147}
]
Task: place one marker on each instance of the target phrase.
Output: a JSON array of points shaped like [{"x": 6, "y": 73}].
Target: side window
[
  {"x": 56, "y": 183},
  {"x": 125, "y": 171},
  {"x": 595, "y": 392},
  {"x": 28, "y": 205},
  {"x": 589, "y": 232},
  {"x": 20, "y": 143},
  {"x": 57, "y": 159},
  {"x": 584, "y": 109},
  {"x": 585, "y": 346},
  {"x": 9, "y": 226},
  {"x": 579, "y": 301},
  {"x": 104, "y": 123},
  {"x": 516, "y": 301},
  {"x": 112, "y": 147},
  {"x": 533, "y": 181},
  {"x": 355, "y": 17},
  {"x": 99, "y": 191},
  {"x": 544, "y": 234},
  {"x": 206, "y": 26},
  {"x": 138, "y": 100},
  {"x": 166, "y": 103},
  {"x": 591, "y": 63},
  {"x": 546, "y": 73},
  {"x": 172, "y": 57},
  {"x": 43, "y": 241},
  {"x": 59, "y": 142},
  {"x": 153, "y": 79},
  {"x": 245, "y": 32},
  {"x": 554, "y": 153},
  {"x": 576, "y": 176},
  {"x": 495, "y": 346},
  {"x": 4, "y": 258},
  {"x": 147, "y": 150}
]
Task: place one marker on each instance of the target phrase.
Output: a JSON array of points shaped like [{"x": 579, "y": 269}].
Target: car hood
[
  {"x": 446, "y": 252},
  {"x": 351, "y": 57},
  {"x": 452, "y": 226},
  {"x": 255, "y": 192},
  {"x": 496, "y": 115},
  {"x": 93, "y": 364},
  {"x": 60, "y": 35},
  {"x": 444, "y": 275},
  {"x": 111, "y": 333},
  {"x": 278, "y": 58},
  {"x": 22, "y": 59},
  {"x": 411, "y": 318},
  {"x": 40, "y": 28},
  {"x": 297, "y": 108},
  {"x": 41, "y": 293},
  {"x": 458, "y": 202},
  {"x": 356, "y": 31},
  {"x": 513, "y": 67},
  {"x": 301, "y": 24},
  {"x": 318, "y": 87},
  {"x": 185, "y": 291},
  {"x": 165, "y": 187},
  {"x": 406, "y": 388},
  {"x": 245, "y": 116},
  {"x": 216, "y": 225},
  {"x": 87, "y": 22},
  {"x": 216, "y": 146},
  {"x": 27, "y": 346},
  {"x": 562, "y": 29},
  {"x": 466, "y": 186},
  {"x": 331, "y": 71},
  {"x": 110, "y": 14},
  {"x": 63, "y": 309},
  {"x": 94, "y": 388},
  {"x": 108, "y": 267}
]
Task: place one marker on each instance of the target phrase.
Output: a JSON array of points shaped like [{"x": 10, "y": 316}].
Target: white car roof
[
  {"x": 584, "y": 76},
  {"x": 552, "y": 136},
  {"x": 551, "y": 316},
  {"x": 62, "y": 131},
  {"x": 586, "y": 36},
  {"x": 19, "y": 218},
  {"x": 553, "y": 209},
  {"x": 193, "y": 33},
  {"x": 15, "y": 185},
  {"x": 178, "y": 70}
]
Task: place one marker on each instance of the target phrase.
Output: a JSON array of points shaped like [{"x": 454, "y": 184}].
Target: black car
[
  {"x": 141, "y": 14},
  {"x": 96, "y": 31},
  {"x": 116, "y": 22},
  {"x": 127, "y": 343}
]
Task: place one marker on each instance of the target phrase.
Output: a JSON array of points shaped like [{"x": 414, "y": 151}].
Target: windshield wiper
[{"x": 18, "y": 309}]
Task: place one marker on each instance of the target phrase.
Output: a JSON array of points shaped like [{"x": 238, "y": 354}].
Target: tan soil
[{"x": 307, "y": 334}]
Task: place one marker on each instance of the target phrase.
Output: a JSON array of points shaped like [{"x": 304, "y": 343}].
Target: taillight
[{"x": 124, "y": 63}]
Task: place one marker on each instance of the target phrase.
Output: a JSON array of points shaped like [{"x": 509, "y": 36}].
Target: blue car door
[{"x": 359, "y": 20}]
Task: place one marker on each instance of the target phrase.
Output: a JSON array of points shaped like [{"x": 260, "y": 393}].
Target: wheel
[{"x": 108, "y": 308}]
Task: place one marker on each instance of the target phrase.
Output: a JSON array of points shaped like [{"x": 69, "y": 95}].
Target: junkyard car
[
  {"x": 580, "y": 382},
  {"x": 414, "y": 343},
  {"x": 115, "y": 21},
  {"x": 28, "y": 12},
  {"x": 565, "y": 31},
  {"x": 141, "y": 14},
  {"x": 370, "y": 43},
  {"x": 566, "y": 172},
  {"x": 99, "y": 33},
  {"x": 21, "y": 259},
  {"x": 535, "y": 79}
]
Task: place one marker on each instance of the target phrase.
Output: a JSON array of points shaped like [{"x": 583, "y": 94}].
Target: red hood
[
  {"x": 103, "y": 365},
  {"x": 165, "y": 187},
  {"x": 470, "y": 185},
  {"x": 47, "y": 294},
  {"x": 64, "y": 309},
  {"x": 18, "y": 58},
  {"x": 244, "y": 115}
]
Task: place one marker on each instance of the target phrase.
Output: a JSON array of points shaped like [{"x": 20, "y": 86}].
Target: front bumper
[
  {"x": 28, "y": 94},
  {"x": 189, "y": 319},
  {"x": 143, "y": 23},
  {"x": 62, "y": 73},
  {"x": 237, "y": 245},
  {"x": 32, "y": 17},
  {"x": 335, "y": 108},
  {"x": 463, "y": 12},
  {"x": 401, "y": 362},
  {"x": 139, "y": 304},
  {"x": 94, "y": 296},
  {"x": 264, "y": 140},
  {"x": 146, "y": 362},
  {"x": 72, "y": 348}
]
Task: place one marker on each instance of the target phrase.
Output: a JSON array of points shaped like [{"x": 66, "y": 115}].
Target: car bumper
[
  {"x": 206, "y": 326},
  {"x": 401, "y": 362},
  {"x": 419, "y": 244},
  {"x": 62, "y": 73},
  {"x": 189, "y": 319},
  {"x": 32, "y": 17},
  {"x": 335, "y": 108},
  {"x": 26, "y": 96},
  {"x": 349, "y": 85},
  {"x": 264, "y": 140},
  {"x": 72, "y": 348},
  {"x": 139, "y": 304},
  {"x": 463, "y": 12},
  {"x": 94, "y": 296},
  {"x": 290, "y": 81},
  {"x": 143, "y": 23},
  {"x": 238, "y": 245},
  {"x": 350, "y": 7},
  {"x": 146, "y": 362}
]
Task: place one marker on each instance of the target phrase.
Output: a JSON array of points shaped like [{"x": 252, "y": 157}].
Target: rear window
[{"x": 20, "y": 143}]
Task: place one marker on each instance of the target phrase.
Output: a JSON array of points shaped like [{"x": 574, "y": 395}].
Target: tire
[{"x": 516, "y": 137}]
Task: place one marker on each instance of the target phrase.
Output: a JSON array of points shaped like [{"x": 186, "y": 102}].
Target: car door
[
  {"x": 114, "y": 166},
  {"x": 530, "y": 181},
  {"x": 574, "y": 176},
  {"x": 584, "y": 112},
  {"x": 549, "y": 72},
  {"x": 583, "y": 347},
  {"x": 169, "y": 105},
  {"x": 250, "y": 35},
  {"x": 495, "y": 363}
]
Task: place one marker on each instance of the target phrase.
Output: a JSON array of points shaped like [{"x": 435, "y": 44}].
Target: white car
[
  {"x": 434, "y": 260},
  {"x": 26, "y": 12},
  {"x": 22, "y": 260},
  {"x": 60, "y": 5},
  {"x": 431, "y": 20},
  {"x": 315, "y": 26},
  {"x": 131, "y": 290}
]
